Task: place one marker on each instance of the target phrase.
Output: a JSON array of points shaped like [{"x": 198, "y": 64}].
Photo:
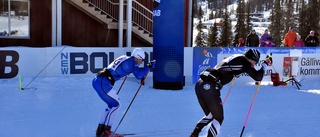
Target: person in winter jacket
[
  {"x": 252, "y": 39},
  {"x": 266, "y": 40},
  {"x": 4, "y": 33},
  {"x": 298, "y": 42},
  {"x": 311, "y": 40},
  {"x": 240, "y": 42},
  {"x": 290, "y": 38}
]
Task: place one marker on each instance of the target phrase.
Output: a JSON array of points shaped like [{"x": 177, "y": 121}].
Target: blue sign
[
  {"x": 203, "y": 58},
  {"x": 168, "y": 44},
  {"x": 207, "y": 57}
]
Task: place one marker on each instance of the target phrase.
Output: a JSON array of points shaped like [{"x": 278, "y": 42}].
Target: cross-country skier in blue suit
[{"x": 105, "y": 79}]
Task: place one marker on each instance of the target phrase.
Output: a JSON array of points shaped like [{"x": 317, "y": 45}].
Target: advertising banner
[
  {"x": 168, "y": 44},
  {"x": 203, "y": 58},
  {"x": 59, "y": 61},
  {"x": 306, "y": 63},
  {"x": 286, "y": 66}
]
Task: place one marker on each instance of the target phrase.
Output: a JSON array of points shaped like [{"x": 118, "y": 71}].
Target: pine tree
[
  {"x": 259, "y": 6},
  {"x": 194, "y": 9},
  {"x": 213, "y": 36},
  {"x": 288, "y": 16},
  {"x": 211, "y": 15},
  {"x": 240, "y": 26},
  {"x": 302, "y": 21},
  {"x": 268, "y": 4},
  {"x": 248, "y": 26},
  {"x": 276, "y": 26},
  {"x": 226, "y": 34},
  {"x": 199, "y": 40},
  {"x": 312, "y": 16}
]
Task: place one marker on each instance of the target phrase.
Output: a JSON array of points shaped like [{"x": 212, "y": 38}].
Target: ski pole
[
  {"x": 131, "y": 103},
  {"x": 224, "y": 101},
  {"x": 254, "y": 98},
  {"x": 122, "y": 84}
]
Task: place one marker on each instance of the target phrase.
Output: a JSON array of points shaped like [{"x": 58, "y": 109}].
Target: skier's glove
[
  {"x": 270, "y": 57},
  {"x": 268, "y": 60},
  {"x": 151, "y": 64}
]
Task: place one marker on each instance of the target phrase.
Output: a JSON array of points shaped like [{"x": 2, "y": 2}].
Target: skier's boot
[
  {"x": 99, "y": 130},
  {"x": 108, "y": 133}
]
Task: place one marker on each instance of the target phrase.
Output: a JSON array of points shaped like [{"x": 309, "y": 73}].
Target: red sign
[{"x": 287, "y": 66}]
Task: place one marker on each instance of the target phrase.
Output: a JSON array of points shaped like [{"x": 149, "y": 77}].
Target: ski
[
  {"x": 127, "y": 134},
  {"x": 144, "y": 134},
  {"x": 118, "y": 135},
  {"x": 153, "y": 133}
]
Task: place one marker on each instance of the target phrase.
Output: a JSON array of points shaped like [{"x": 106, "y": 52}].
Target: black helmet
[{"x": 253, "y": 54}]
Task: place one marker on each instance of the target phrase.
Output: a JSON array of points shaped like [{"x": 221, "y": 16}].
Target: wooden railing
[{"x": 142, "y": 17}]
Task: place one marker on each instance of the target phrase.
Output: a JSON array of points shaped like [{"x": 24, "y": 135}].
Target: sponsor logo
[
  {"x": 206, "y": 86},
  {"x": 206, "y": 62},
  {"x": 286, "y": 66},
  {"x": 156, "y": 12},
  {"x": 306, "y": 63},
  {"x": 81, "y": 62},
  {"x": 8, "y": 63},
  {"x": 307, "y": 66}
]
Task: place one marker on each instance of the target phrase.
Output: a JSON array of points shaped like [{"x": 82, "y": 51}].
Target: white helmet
[{"x": 138, "y": 53}]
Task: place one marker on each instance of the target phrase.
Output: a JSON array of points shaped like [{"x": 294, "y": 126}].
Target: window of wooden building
[{"x": 15, "y": 19}]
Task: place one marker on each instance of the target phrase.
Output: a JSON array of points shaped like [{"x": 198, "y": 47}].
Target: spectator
[
  {"x": 252, "y": 39},
  {"x": 266, "y": 39},
  {"x": 240, "y": 42},
  {"x": 4, "y": 33},
  {"x": 290, "y": 38},
  {"x": 14, "y": 32},
  {"x": 298, "y": 42},
  {"x": 311, "y": 40}
]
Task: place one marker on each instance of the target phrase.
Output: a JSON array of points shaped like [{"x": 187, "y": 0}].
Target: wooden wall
[
  {"x": 147, "y": 3},
  {"x": 78, "y": 29},
  {"x": 40, "y": 27}
]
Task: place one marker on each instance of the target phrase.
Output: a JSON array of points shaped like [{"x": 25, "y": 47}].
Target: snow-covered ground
[{"x": 69, "y": 107}]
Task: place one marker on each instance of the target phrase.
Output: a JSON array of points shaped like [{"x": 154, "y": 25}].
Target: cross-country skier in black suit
[{"x": 212, "y": 80}]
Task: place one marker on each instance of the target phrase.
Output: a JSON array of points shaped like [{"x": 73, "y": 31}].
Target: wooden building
[{"x": 83, "y": 23}]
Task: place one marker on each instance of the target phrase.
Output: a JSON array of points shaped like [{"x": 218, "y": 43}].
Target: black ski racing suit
[{"x": 209, "y": 85}]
